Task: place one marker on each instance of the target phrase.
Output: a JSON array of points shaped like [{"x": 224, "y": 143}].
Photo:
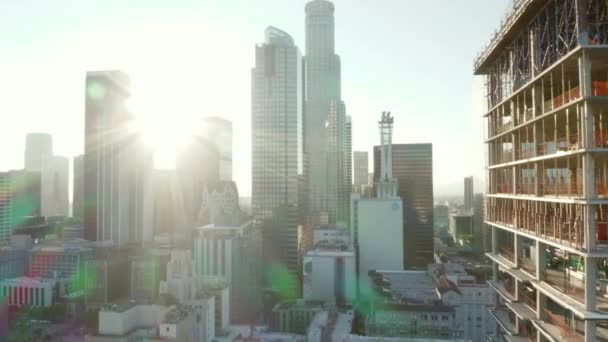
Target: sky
[{"x": 188, "y": 59}]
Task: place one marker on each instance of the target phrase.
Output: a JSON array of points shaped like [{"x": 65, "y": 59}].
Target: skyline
[{"x": 99, "y": 37}]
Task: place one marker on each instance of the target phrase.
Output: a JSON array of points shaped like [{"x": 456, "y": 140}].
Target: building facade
[
  {"x": 360, "y": 171},
  {"x": 412, "y": 166},
  {"x": 20, "y": 193},
  {"x": 277, "y": 155},
  {"x": 117, "y": 164},
  {"x": 546, "y": 195}
]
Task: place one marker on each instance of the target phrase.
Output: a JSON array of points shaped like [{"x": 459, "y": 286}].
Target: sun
[{"x": 164, "y": 130}]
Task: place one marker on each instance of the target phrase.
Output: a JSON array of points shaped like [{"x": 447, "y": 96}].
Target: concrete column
[
  {"x": 590, "y": 227},
  {"x": 590, "y": 284},
  {"x": 541, "y": 304},
  {"x": 590, "y": 332},
  {"x": 494, "y": 240},
  {"x": 518, "y": 250},
  {"x": 540, "y": 259}
]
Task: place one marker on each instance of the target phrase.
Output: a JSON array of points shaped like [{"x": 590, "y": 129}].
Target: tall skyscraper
[
  {"x": 547, "y": 167},
  {"x": 325, "y": 124},
  {"x": 19, "y": 199},
  {"x": 360, "y": 171},
  {"x": 117, "y": 164},
  {"x": 468, "y": 193},
  {"x": 219, "y": 132},
  {"x": 78, "y": 187},
  {"x": 277, "y": 156},
  {"x": 412, "y": 166},
  {"x": 58, "y": 178},
  {"x": 38, "y": 151}
]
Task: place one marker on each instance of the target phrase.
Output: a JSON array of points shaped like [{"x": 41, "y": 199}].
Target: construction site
[{"x": 546, "y": 125}]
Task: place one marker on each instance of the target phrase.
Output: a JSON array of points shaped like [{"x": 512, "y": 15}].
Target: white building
[
  {"x": 204, "y": 307},
  {"x": 330, "y": 274},
  {"x": 28, "y": 291},
  {"x": 180, "y": 281}
]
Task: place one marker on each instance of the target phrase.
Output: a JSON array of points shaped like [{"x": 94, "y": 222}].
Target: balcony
[
  {"x": 505, "y": 318},
  {"x": 559, "y": 328},
  {"x": 567, "y": 281}
]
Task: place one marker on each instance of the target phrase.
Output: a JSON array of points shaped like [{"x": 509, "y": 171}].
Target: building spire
[{"x": 386, "y": 185}]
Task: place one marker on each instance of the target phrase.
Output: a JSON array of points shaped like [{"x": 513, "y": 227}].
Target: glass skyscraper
[{"x": 277, "y": 156}]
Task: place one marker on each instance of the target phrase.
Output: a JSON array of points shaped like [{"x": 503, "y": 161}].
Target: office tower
[
  {"x": 39, "y": 158},
  {"x": 378, "y": 222},
  {"x": 360, "y": 170},
  {"x": 468, "y": 193},
  {"x": 219, "y": 132},
  {"x": 59, "y": 174},
  {"x": 197, "y": 164},
  {"x": 117, "y": 164},
  {"x": 277, "y": 156},
  {"x": 325, "y": 124},
  {"x": 412, "y": 166},
  {"x": 19, "y": 199},
  {"x": 78, "y": 187},
  {"x": 545, "y": 71},
  {"x": 38, "y": 151}
]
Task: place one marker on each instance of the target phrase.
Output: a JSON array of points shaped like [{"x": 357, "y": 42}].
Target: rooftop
[{"x": 407, "y": 286}]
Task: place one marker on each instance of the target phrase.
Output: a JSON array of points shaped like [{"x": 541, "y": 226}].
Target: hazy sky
[{"x": 193, "y": 58}]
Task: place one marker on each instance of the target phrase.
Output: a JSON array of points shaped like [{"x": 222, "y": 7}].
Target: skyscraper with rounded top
[{"x": 325, "y": 117}]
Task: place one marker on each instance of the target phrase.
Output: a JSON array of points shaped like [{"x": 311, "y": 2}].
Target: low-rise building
[
  {"x": 61, "y": 260},
  {"x": 294, "y": 316},
  {"x": 329, "y": 273},
  {"x": 21, "y": 291}
]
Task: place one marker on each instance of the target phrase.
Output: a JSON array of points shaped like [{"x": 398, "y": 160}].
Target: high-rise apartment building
[
  {"x": 468, "y": 193},
  {"x": 78, "y": 187},
  {"x": 117, "y": 164},
  {"x": 547, "y": 193},
  {"x": 19, "y": 199},
  {"x": 325, "y": 124},
  {"x": 277, "y": 155},
  {"x": 360, "y": 171},
  {"x": 412, "y": 166}
]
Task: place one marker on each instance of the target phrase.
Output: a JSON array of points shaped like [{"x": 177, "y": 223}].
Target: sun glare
[{"x": 164, "y": 130}]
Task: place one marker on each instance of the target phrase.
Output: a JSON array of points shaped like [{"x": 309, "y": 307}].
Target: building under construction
[{"x": 546, "y": 72}]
